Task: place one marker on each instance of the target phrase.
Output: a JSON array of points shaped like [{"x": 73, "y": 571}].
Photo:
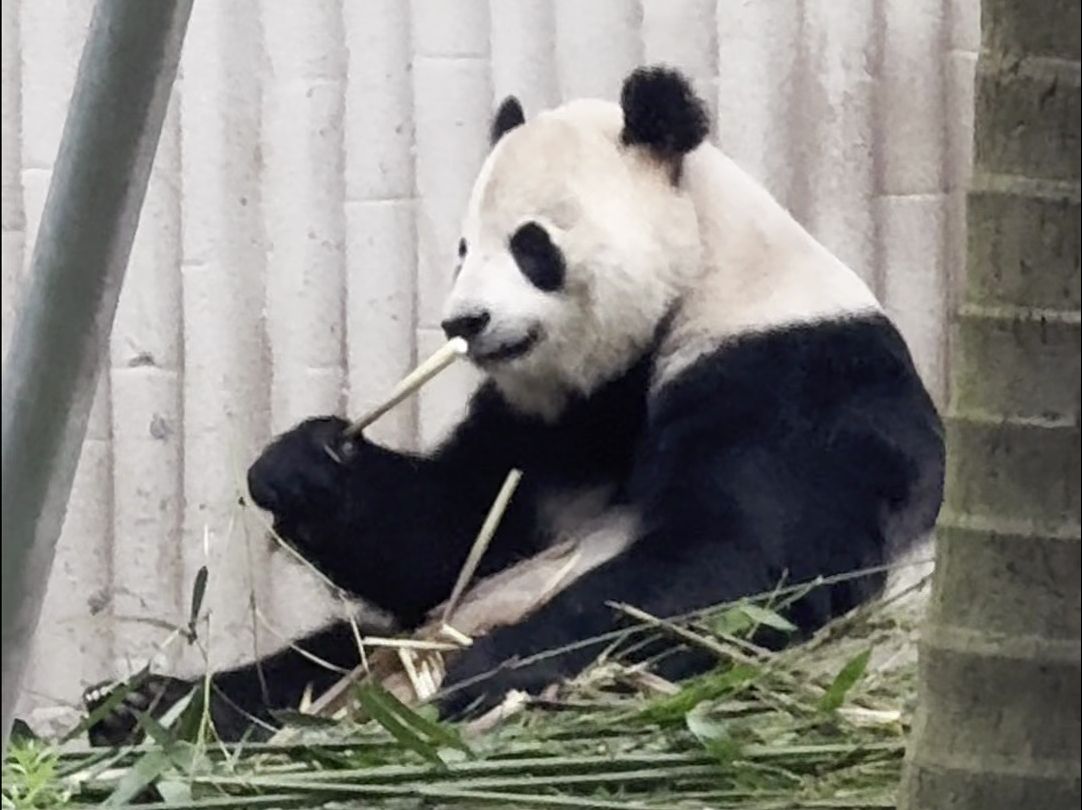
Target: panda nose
[{"x": 465, "y": 326}]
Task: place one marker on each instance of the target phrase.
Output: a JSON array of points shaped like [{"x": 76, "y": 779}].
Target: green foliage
[
  {"x": 844, "y": 681},
  {"x": 763, "y": 729},
  {"x": 31, "y": 779}
]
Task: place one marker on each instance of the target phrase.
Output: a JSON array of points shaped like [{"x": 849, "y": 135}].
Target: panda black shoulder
[
  {"x": 821, "y": 363},
  {"x": 811, "y": 385}
]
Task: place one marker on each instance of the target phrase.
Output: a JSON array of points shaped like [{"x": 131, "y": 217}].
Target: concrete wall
[{"x": 297, "y": 240}]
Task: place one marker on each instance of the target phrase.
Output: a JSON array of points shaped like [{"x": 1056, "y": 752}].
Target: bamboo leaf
[
  {"x": 761, "y": 615},
  {"x": 136, "y": 779},
  {"x": 435, "y": 731},
  {"x": 709, "y": 687},
  {"x": 199, "y": 590},
  {"x": 379, "y": 710},
  {"x": 712, "y": 733},
  {"x": 844, "y": 681},
  {"x": 180, "y": 754},
  {"x": 190, "y": 717},
  {"x": 731, "y": 622}
]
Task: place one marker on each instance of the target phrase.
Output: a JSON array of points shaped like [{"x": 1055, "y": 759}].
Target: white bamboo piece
[
  {"x": 480, "y": 544},
  {"x": 442, "y": 358}
]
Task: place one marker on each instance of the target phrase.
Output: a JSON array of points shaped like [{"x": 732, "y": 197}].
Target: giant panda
[{"x": 692, "y": 386}]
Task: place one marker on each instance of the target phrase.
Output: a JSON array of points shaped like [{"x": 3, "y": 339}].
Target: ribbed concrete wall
[{"x": 298, "y": 235}]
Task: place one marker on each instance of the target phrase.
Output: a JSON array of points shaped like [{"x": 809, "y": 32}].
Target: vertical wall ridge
[
  {"x": 226, "y": 392},
  {"x": 912, "y": 204},
  {"x": 13, "y": 216},
  {"x": 302, "y": 123},
  {"x": 379, "y": 206}
]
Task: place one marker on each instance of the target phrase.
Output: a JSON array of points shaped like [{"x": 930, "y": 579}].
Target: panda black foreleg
[
  {"x": 391, "y": 527},
  {"x": 242, "y": 700}
]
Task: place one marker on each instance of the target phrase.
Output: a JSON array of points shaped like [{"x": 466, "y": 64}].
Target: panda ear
[
  {"x": 662, "y": 112},
  {"x": 508, "y": 116}
]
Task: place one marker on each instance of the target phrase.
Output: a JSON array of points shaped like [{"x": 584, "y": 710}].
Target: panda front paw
[
  {"x": 153, "y": 695},
  {"x": 482, "y": 676},
  {"x": 301, "y": 473}
]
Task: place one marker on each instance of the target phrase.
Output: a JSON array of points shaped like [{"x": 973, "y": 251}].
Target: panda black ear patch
[
  {"x": 662, "y": 112},
  {"x": 508, "y": 116}
]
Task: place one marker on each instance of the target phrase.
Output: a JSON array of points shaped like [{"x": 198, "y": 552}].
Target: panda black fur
[{"x": 660, "y": 336}]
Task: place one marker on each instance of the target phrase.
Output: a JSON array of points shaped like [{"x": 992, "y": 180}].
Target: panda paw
[
  {"x": 302, "y": 471},
  {"x": 482, "y": 676},
  {"x": 153, "y": 695}
]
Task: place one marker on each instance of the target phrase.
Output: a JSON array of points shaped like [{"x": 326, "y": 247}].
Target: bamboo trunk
[{"x": 998, "y": 719}]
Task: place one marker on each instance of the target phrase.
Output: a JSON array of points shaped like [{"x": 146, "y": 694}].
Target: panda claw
[{"x": 120, "y": 725}]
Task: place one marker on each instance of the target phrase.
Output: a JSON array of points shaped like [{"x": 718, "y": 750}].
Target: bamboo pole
[{"x": 100, "y": 178}]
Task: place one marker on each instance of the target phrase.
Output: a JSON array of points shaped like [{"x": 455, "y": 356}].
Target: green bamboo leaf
[
  {"x": 136, "y": 779},
  {"x": 674, "y": 708},
  {"x": 180, "y": 754},
  {"x": 379, "y": 710},
  {"x": 844, "y": 681},
  {"x": 186, "y": 716},
  {"x": 731, "y": 622},
  {"x": 435, "y": 731},
  {"x": 705, "y": 728},
  {"x": 764, "y": 616},
  {"x": 712, "y": 733}
]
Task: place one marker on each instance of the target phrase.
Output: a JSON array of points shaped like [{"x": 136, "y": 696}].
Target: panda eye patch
[{"x": 537, "y": 257}]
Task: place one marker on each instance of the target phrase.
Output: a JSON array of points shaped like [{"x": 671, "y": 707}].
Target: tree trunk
[{"x": 998, "y": 719}]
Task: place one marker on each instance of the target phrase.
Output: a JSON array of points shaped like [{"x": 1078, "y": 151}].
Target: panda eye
[
  {"x": 462, "y": 248},
  {"x": 537, "y": 257}
]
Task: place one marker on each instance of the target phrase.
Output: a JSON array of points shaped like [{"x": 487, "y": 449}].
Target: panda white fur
[{"x": 691, "y": 384}]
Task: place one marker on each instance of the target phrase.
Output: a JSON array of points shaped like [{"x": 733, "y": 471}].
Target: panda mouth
[{"x": 507, "y": 351}]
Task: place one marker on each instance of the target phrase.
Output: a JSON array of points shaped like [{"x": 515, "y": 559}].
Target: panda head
[{"x": 577, "y": 239}]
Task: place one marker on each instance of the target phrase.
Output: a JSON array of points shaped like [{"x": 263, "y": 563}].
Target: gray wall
[{"x": 298, "y": 234}]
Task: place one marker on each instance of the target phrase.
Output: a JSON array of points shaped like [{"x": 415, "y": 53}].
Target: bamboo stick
[{"x": 443, "y": 357}]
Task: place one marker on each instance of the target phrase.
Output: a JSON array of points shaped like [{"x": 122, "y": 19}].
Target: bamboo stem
[
  {"x": 443, "y": 357},
  {"x": 484, "y": 537}
]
